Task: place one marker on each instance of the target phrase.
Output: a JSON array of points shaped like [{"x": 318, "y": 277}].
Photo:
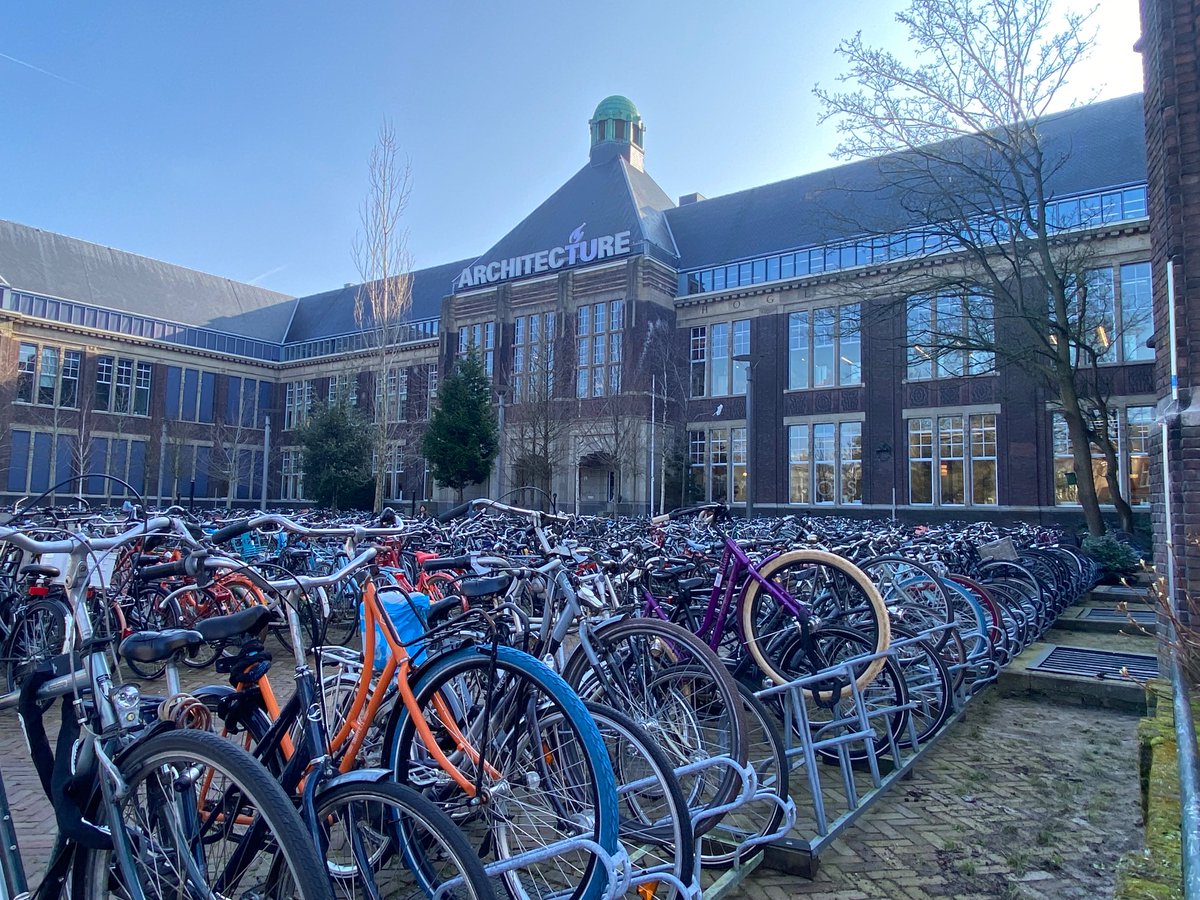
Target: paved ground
[{"x": 1024, "y": 799}]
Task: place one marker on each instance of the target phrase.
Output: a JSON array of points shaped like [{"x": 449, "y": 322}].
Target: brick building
[
  {"x": 624, "y": 333},
  {"x": 1170, "y": 46}
]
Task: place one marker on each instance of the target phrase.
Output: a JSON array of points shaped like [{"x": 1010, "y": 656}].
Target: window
[
  {"x": 599, "y": 337},
  {"x": 68, "y": 395},
  {"x": 719, "y": 465},
  {"x": 698, "y": 359},
  {"x": 342, "y": 386},
  {"x": 190, "y": 394},
  {"x": 141, "y": 389},
  {"x": 242, "y": 399},
  {"x": 1133, "y": 428},
  {"x": 1137, "y": 313},
  {"x": 124, "y": 393},
  {"x": 292, "y": 474},
  {"x": 1112, "y": 313},
  {"x": 533, "y": 357},
  {"x": 26, "y": 372},
  {"x": 298, "y": 399},
  {"x": 825, "y": 463},
  {"x": 431, "y": 388},
  {"x": 48, "y": 378},
  {"x": 947, "y": 336},
  {"x": 713, "y": 370},
  {"x": 824, "y": 347},
  {"x": 481, "y": 336},
  {"x": 104, "y": 383},
  {"x": 952, "y": 460}
]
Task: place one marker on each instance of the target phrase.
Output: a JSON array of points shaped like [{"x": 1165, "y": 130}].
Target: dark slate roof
[
  {"x": 1093, "y": 147},
  {"x": 610, "y": 196},
  {"x": 42, "y": 262},
  {"x": 332, "y": 312}
]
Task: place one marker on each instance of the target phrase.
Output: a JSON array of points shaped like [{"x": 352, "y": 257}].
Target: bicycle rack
[{"x": 868, "y": 763}]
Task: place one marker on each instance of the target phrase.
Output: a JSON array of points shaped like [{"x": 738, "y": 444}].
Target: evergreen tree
[
  {"x": 462, "y": 439},
  {"x": 337, "y": 453}
]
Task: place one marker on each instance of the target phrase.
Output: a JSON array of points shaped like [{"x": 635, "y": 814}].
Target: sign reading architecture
[{"x": 576, "y": 250}]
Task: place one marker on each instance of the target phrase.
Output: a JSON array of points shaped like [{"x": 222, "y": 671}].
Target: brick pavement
[{"x": 1023, "y": 799}]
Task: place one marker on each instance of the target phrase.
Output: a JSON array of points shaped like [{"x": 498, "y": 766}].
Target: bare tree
[
  {"x": 958, "y": 141},
  {"x": 230, "y": 457},
  {"x": 384, "y": 263},
  {"x": 538, "y": 420}
]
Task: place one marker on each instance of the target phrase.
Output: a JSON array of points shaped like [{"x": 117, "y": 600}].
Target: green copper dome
[
  {"x": 616, "y": 107},
  {"x": 616, "y": 119}
]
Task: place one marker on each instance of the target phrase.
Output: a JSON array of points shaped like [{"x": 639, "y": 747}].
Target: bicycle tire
[
  {"x": 163, "y": 766},
  {"x": 575, "y": 751},
  {"x": 368, "y": 825},
  {"x": 873, "y": 612},
  {"x": 38, "y": 633},
  {"x": 656, "y": 696},
  {"x": 654, "y": 820},
  {"x": 719, "y": 846}
]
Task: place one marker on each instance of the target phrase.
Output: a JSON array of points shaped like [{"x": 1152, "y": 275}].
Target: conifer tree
[{"x": 462, "y": 439}]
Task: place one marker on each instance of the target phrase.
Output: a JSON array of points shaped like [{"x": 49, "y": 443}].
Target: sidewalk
[{"x": 1024, "y": 799}]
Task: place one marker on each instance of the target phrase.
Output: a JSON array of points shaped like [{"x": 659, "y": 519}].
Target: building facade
[{"x": 644, "y": 352}]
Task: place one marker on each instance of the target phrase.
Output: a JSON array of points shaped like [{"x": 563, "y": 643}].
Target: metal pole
[
  {"x": 653, "y": 428},
  {"x": 749, "y": 440},
  {"x": 162, "y": 463},
  {"x": 262, "y": 503}
]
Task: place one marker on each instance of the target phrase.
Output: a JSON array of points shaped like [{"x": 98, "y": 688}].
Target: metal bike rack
[{"x": 866, "y": 765}]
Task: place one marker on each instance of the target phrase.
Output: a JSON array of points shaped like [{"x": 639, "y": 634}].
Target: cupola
[{"x": 617, "y": 129}]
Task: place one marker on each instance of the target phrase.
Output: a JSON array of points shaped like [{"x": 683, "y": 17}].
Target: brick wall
[{"x": 1170, "y": 34}]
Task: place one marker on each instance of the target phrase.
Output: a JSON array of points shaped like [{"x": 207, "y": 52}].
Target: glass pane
[
  {"x": 719, "y": 352},
  {"x": 920, "y": 460},
  {"x": 951, "y": 450},
  {"x": 849, "y": 345},
  {"x": 824, "y": 330},
  {"x": 1137, "y": 314},
  {"x": 799, "y": 465},
  {"x": 851, "y": 462},
  {"x": 920, "y": 340},
  {"x": 798, "y": 338},
  {"x": 824, "y": 451},
  {"x": 948, "y": 328}
]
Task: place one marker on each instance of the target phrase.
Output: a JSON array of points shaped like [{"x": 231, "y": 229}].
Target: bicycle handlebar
[
  {"x": 307, "y": 582},
  {"x": 357, "y": 532},
  {"x": 18, "y": 538},
  {"x": 715, "y": 509}
]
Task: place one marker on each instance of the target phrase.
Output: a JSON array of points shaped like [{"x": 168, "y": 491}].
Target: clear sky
[{"x": 232, "y": 136}]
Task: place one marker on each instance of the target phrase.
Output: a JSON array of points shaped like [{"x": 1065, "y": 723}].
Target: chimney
[{"x": 691, "y": 198}]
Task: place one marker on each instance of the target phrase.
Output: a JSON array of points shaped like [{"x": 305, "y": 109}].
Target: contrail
[
  {"x": 21, "y": 62},
  {"x": 267, "y": 274}
]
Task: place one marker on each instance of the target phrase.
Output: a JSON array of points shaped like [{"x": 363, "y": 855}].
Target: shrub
[{"x": 1115, "y": 557}]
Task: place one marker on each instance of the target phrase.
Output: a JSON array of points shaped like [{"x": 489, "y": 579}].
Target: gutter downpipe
[{"x": 1185, "y": 730}]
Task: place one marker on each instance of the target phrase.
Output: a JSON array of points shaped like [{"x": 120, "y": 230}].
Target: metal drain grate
[
  {"x": 1096, "y": 663},
  {"x": 1101, "y": 614}
]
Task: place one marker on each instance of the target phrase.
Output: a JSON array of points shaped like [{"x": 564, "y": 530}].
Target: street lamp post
[
  {"x": 502, "y": 394},
  {"x": 750, "y": 363}
]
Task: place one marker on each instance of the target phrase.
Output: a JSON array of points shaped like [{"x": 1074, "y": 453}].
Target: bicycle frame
[{"x": 735, "y": 564}]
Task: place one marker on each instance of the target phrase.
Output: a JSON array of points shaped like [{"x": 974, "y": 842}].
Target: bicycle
[{"x": 131, "y": 819}]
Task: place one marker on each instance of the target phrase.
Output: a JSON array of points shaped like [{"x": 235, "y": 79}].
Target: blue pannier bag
[{"x": 409, "y": 614}]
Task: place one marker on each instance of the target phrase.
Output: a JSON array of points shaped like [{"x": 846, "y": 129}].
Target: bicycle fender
[{"x": 358, "y": 776}]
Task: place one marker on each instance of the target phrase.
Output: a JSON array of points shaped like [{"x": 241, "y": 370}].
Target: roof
[
  {"x": 605, "y": 197},
  {"x": 1090, "y": 148},
  {"x": 616, "y": 107},
  {"x": 332, "y": 312},
  {"x": 54, "y": 265}
]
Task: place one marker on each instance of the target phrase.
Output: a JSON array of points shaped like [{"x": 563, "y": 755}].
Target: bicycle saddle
[
  {"x": 224, "y": 628},
  {"x": 40, "y": 571},
  {"x": 154, "y": 646}
]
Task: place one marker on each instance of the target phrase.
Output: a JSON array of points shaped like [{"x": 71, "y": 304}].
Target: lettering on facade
[{"x": 577, "y": 249}]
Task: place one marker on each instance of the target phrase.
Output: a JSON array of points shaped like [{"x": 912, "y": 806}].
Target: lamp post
[
  {"x": 502, "y": 393},
  {"x": 750, "y": 364}
]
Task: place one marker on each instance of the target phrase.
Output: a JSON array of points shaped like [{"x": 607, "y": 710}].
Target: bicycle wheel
[
  {"x": 655, "y": 823},
  {"x": 762, "y": 816},
  {"x": 515, "y": 728},
  {"x": 830, "y": 704},
  {"x": 39, "y": 632},
  {"x": 386, "y": 840},
  {"x": 834, "y": 591},
  {"x": 148, "y": 612},
  {"x": 673, "y": 685},
  {"x": 201, "y": 818}
]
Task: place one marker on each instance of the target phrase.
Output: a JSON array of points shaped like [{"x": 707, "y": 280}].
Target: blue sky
[{"x": 232, "y": 137}]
